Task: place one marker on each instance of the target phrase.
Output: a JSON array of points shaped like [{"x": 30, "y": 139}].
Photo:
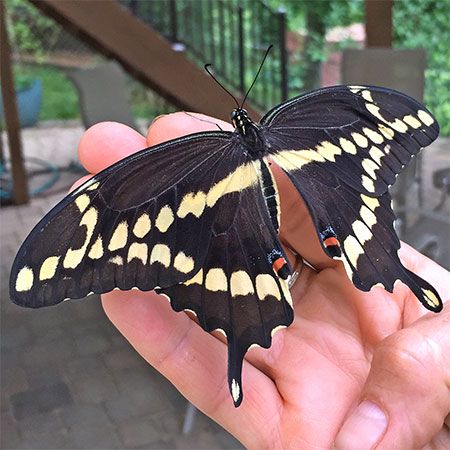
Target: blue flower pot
[{"x": 29, "y": 104}]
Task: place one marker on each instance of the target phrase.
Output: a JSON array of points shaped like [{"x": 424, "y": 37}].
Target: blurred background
[{"x": 68, "y": 378}]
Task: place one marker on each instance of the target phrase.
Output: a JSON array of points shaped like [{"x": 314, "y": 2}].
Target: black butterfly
[{"x": 196, "y": 218}]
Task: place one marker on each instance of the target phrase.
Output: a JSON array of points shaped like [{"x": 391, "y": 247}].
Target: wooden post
[
  {"x": 379, "y": 23},
  {"x": 19, "y": 176}
]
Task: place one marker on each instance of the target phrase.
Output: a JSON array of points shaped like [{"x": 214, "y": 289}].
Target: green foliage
[
  {"x": 26, "y": 27},
  {"x": 426, "y": 24}
]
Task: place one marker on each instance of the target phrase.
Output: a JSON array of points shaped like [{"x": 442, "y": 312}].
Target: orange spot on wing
[
  {"x": 328, "y": 242},
  {"x": 278, "y": 264}
]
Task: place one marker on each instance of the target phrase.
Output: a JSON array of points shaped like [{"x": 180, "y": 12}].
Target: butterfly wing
[
  {"x": 140, "y": 223},
  {"x": 187, "y": 218},
  {"x": 342, "y": 147},
  {"x": 237, "y": 291},
  {"x": 364, "y": 135}
]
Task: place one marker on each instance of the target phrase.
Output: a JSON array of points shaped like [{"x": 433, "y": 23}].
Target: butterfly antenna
[
  {"x": 220, "y": 84},
  {"x": 256, "y": 77}
]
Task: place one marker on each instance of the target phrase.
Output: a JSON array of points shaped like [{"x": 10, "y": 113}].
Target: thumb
[{"x": 406, "y": 397}]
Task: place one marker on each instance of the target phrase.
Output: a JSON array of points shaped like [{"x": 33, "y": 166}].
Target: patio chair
[{"x": 103, "y": 94}]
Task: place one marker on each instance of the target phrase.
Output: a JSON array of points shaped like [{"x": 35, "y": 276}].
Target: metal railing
[{"x": 232, "y": 35}]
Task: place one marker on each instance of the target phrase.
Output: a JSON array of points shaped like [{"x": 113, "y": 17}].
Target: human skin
[{"x": 355, "y": 370}]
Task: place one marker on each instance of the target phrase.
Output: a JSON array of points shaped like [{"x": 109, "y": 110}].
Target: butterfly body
[{"x": 197, "y": 218}]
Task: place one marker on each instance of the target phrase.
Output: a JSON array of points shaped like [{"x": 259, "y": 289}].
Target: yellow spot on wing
[
  {"x": 397, "y": 124},
  {"x": 431, "y": 297},
  {"x": 74, "y": 257},
  {"x": 235, "y": 390},
  {"x": 48, "y": 268},
  {"x": 142, "y": 226},
  {"x": 118, "y": 260},
  {"x": 295, "y": 159},
  {"x": 367, "y": 95},
  {"x": 96, "y": 251},
  {"x": 373, "y": 135},
  {"x": 165, "y": 219},
  {"x": 267, "y": 286},
  {"x": 361, "y": 231},
  {"x": 119, "y": 237},
  {"x": 371, "y": 202},
  {"x": 387, "y": 132},
  {"x": 183, "y": 263},
  {"x": 425, "y": 117},
  {"x": 376, "y": 154},
  {"x": 138, "y": 251},
  {"x": 82, "y": 202},
  {"x": 369, "y": 218},
  {"x": 370, "y": 166},
  {"x": 216, "y": 280},
  {"x": 192, "y": 203},
  {"x": 160, "y": 253},
  {"x": 241, "y": 284},
  {"x": 368, "y": 183},
  {"x": 242, "y": 178},
  {"x": 328, "y": 150},
  {"x": 360, "y": 140},
  {"x": 24, "y": 280},
  {"x": 412, "y": 121},
  {"x": 352, "y": 249},
  {"x": 348, "y": 146}
]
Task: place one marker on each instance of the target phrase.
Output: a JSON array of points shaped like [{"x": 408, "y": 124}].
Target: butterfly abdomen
[{"x": 270, "y": 193}]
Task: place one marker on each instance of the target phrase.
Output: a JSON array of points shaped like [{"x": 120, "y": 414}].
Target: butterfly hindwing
[
  {"x": 238, "y": 291},
  {"x": 359, "y": 230}
]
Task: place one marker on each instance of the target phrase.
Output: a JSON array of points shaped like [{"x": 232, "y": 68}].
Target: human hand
[{"x": 345, "y": 348}]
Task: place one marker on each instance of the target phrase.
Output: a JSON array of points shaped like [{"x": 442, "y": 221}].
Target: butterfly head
[{"x": 240, "y": 120}]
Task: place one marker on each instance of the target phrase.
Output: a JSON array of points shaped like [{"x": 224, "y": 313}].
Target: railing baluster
[
  {"x": 241, "y": 50},
  {"x": 173, "y": 21},
  {"x": 283, "y": 53}
]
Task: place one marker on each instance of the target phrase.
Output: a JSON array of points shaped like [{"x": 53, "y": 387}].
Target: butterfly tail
[
  {"x": 426, "y": 293},
  {"x": 235, "y": 359}
]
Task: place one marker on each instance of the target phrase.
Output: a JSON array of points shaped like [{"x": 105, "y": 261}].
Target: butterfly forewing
[
  {"x": 112, "y": 233},
  {"x": 364, "y": 135}
]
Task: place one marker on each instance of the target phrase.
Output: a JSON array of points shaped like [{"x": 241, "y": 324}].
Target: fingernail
[{"x": 363, "y": 428}]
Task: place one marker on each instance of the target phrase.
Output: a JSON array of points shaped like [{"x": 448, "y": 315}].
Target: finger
[
  {"x": 106, "y": 143},
  {"x": 195, "y": 362},
  {"x": 171, "y": 126},
  {"x": 407, "y": 396}
]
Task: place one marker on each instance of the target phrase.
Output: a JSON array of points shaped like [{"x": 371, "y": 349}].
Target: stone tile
[
  {"x": 13, "y": 380},
  {"x": 92, "y": 343},
  {"x": 201, "y": 440},
  {"x": 90, "y": 438},
  {"x": 9, "y": 436},
  {"x": 140, "y": 432},
  {"x": 124, "y": 359},
  {"x": 16, "y": 337},
  {"x": 46, "y": 441},
  {"x": 78, "y": 416},
  {"x": 136, "y": 402},
  {"x": 93, "y": 389},
  {"x": 41, "y": 400},
  {"x": 46, "y": 354},
  {"x": 42, "y": 423}
]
